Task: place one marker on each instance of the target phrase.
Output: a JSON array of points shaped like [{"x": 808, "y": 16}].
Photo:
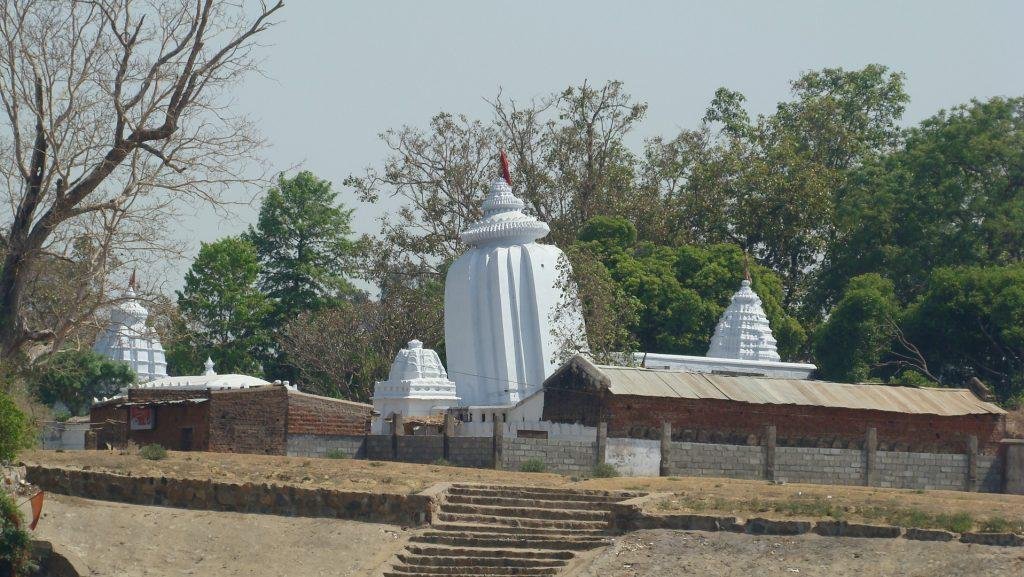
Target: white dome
[
  {"x": 504, "y": 220},
  {"x": 743, "y": 332}
]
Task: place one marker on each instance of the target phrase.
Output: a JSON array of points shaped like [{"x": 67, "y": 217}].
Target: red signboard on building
[{"x": 141, "y": 418}]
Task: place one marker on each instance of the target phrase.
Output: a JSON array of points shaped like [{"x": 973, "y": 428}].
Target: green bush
[
  {"x": 336, "y": 454},
  {"x": 61, "y": 416},
  {"x": 442, "y": 463},
  {"x": 15, "y": 548},
  {"x": 16, "y": 431},
  {"x": 153, "y": 452},
  {"x": 533, "y": 466},
  {"x": 605, "y": 471}
]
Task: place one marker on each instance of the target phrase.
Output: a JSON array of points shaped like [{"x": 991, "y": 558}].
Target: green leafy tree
[
  {"x": 969, "y": 321},
  {"x": 953, "y": 195},
  {"x": 769, "y": 184},
  {"x": 680, "y": 292},
  {"x": 302, "y": 239},
  {"x": 850, "y": 345},
  {"x": 221, "y": 311},
  {"x": 16, "y": 431},
  {"x": 74, "y": 377}
]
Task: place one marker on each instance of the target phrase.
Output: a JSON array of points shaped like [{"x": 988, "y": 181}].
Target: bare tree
[{"x": 114, "y": 113}]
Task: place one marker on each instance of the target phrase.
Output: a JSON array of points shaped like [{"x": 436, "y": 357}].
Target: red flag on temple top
[
  {"x": 131, "y": 281},
  {"x": 505, "y": 172}
]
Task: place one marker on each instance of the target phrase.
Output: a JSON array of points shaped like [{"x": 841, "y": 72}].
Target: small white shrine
[
  {"x": 501, "y": 298},
  {"x": 417, "y": 386},
  {"x": 742, "y": 344},
  {"x": 128, "y": 339}
]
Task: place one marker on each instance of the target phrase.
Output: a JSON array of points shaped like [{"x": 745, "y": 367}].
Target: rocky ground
[
  {"x": 662, "y": 553},
  {"x": 133, "y": 541}
]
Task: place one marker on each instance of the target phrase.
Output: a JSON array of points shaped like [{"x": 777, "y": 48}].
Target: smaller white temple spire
[
  {"x": 743, "y": 331},
  {"x": 208, "y": 365}
]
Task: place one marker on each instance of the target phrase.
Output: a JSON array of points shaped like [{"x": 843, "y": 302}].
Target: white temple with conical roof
[
  {"x": 500, "y": 299},
  {"x": 128, "y": 339},
  {"x": 743, "y": 331},
  {"x": 417, "y": 386}
]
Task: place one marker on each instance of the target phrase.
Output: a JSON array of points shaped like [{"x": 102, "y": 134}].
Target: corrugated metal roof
[{"x": 770, "y": 391}]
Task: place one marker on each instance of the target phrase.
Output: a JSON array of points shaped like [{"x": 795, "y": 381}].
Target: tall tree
[
  {"x": 107, "y": 120},
  {"x": 221, "y": 311},
  {"x": 302, "y": 239},
  {"x": 952, "y": 195},
  {"x": 859, "y": 332}
]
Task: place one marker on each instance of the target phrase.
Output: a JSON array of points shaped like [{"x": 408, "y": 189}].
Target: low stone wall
[
  {"x": 560, "y": 455},
  {"x": 352, "y": 446},
  {"x": 711, "y": 460},
  {"x": 286, "y": 500},
  {"x": 922, "y": 470},
  {"x": 471, "y": 452},
  {"x": 420, "y": 448},
  {"x": 821, "y": 466},
  {"x": 378, "y": 448}
]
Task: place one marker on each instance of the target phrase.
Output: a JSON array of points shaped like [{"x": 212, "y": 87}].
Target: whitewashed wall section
[{"x": 634, "y": 457}]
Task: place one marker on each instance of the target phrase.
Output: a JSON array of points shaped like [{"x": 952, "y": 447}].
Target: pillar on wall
[
  {"x": 448, "y": 432},
  {"x": 666, "y": 448},
  {"x": 1013, "y": 463},
  {"x": 769, "y": 452},
  {"x": 397, "y": 430},
  {"x": 972, "y": 463},
  {"x": 602, "y": 441},
  {"x": 870, "y": 458},
  {"x": 497, "y": 442}
]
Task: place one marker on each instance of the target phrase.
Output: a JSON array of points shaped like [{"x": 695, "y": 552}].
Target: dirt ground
[
  {"x": 133, "y": 541},
  {"x": 661, "y": 553},
  {"x": 712, "y": 494}
]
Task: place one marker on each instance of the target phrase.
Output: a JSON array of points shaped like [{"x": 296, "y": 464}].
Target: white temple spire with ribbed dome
[
  {"x": 743, "y": 332},
  {"x": 128, "y": 339}
]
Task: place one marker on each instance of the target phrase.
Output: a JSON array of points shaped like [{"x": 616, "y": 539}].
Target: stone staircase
[{"x": 491, "y": 530}]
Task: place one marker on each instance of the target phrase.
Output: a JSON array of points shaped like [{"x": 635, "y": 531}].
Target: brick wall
[
  {"x": 249, "y": 420},
  {"x": 560, "y": 455},
  {"x": 705, "y": 460},
  {"x": 322, "y": 445},
  {"x": 718, "y": 421},
  {"x": 315, "y": 415},
  {"x": 170, "y": 423},
  {"x": 110, "y": 423}
]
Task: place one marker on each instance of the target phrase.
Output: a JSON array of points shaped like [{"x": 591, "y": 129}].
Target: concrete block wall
[
  {"x": 420, "y": 448},
  {"x": 712, "y": 460},
  {"x": 990, "y": 473},
  {"x": 560, "y": 455},
  {"x": 471, "y": 451},
  {"x": 921, "y": 470},
  {"x": 352, "y": 446},
  {"x": 821, "y": 466},
  {"x": 378, "y": 447}
]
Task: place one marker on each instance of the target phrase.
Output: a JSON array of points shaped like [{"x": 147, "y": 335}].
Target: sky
[{"x": 336, "y": 74}]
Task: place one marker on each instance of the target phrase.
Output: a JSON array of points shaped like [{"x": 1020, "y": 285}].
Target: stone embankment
[
  {"x": 205, "y": 494},
  {"x": 497, "y": 530}
]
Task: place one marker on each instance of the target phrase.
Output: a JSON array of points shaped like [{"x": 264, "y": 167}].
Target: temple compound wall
[{"x": 270, "y": 420}]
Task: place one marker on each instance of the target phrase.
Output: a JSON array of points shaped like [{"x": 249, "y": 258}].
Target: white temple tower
[
  {"x": 128, "y": 339},
  {"x": 500, "y": 300},
  {"x": 743, "y": 331},
  {"x": 417, "y": 386}
]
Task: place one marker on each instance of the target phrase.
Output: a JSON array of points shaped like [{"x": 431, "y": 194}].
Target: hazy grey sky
[{"x": 341, "y": 72}]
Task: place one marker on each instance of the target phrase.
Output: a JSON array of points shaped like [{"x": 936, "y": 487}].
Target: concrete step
[
  {"x": 527, "y": 512},
  {"x": 551, "y": 542},
  {"x": 474, "y": 570},
  {"x": 431, "y": 560},
  {"x": 541, "y": 493},
  {"x": 528, "y": 502},
  {"x": 484, "y": 529},
  {"x": 497, "y": 552},
  {"x": 520, "y": 522}
]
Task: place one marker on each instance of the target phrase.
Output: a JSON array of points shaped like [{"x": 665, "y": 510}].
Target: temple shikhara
[{"x": 128, "y": 339}]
